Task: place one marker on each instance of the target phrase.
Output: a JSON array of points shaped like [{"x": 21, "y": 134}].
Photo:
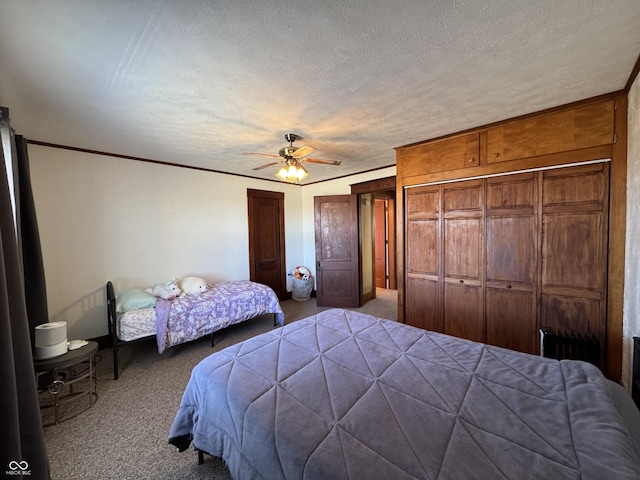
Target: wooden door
[
  {"x": 266, "y": 240},
  {"x": 463, "y": 260},
  {"x": 423, "y": 245},
  {"x": 511, "y": 262},
  {"x": 575, "y": 205},
  {"x": 337, "y": 253}
]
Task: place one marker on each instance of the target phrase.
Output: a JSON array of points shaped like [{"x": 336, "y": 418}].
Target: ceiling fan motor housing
[{"x": 287, "y": 152}]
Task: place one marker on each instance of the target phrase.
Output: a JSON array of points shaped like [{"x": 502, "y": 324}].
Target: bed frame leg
[
  {"x": 200, "y": 456},
  {"x": 212, "y": 340}
]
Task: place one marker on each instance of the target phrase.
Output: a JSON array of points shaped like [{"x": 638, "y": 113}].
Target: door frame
[{"x": 383, "y": 188}]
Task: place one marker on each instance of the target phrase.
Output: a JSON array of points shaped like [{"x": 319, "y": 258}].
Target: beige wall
[
  {"x": 631, "y": 316},
  {"x": 137, "y": 224}
]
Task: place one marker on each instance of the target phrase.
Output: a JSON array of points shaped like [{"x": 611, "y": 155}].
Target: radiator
[{"x": 569, "y": 345}]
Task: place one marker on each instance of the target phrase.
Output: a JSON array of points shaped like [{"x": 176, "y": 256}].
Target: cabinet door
[
  {"x": 511, "y": 273},
  {"x": 582, "y": 127},
  {"x": 422, "y": 249},
  {"x": 447, "y": 154},
  {"x": 463, "y": 207},
  {"x": 574, "y": 249}
]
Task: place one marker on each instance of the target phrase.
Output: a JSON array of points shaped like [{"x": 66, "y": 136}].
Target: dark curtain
[
  {"x": 23, "y": 448},
  {"x": 34, "y": 281}
]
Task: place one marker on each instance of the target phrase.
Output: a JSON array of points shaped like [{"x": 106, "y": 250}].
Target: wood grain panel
[
  {"x": 572, "y": 246},
  {"x": 447, "y": 154},
  {"x": 511, "y": 319},
  {"x": 424, "y": 255},
  {"x": 424, "y": 304},
  {"x": 462, "y": 311},
  {"x": 572, "y": 129},
  {"x": 463, "y": 248}
]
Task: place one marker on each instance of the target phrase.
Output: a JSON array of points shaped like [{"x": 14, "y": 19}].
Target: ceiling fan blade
[
  {"x": 262, "y": 154},
  {"x": 303, "y": 151},
  {"x": 319, "y": 160},
  {"x": 268, "y": 165}
]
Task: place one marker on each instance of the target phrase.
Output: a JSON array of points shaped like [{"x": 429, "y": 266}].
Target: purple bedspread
[
  {"x": 193, "y": 316},
  {"x": 343, "y": 395}
]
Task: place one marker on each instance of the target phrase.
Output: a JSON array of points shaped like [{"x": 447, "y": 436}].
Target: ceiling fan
[{"x": 292, "y": 157}]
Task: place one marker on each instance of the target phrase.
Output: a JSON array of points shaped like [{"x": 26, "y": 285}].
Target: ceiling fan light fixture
[{"x": 292, "y": 172}]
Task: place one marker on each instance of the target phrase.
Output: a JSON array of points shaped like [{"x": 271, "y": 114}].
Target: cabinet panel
[
  {"x": 582, "y": 127},
  {"x": 572, "y": 314},
  {"x": 423, "y": 202},
  {"x": 440, "y": 155},
  {"x": 514, "y": 191},
  {"x": 463, "y": 197},
  {"x": 572, "y": 247},
  {"x": 571, "y": 187},
  {"x": 423, "y": 304},
  {"x": 462, "y": 311},
  {"x": 463, "y": 248},
  {"x": 423, "y": 255},
  {"x": 511, "y": 249},
  {"x": 511, "y": 319}
]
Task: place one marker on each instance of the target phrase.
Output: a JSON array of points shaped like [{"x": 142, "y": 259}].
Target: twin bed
[
  {"x": 347, "y": 395},
  {"x": 185, "y": 318}
]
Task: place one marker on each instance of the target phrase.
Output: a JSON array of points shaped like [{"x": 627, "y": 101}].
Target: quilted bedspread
[
  {"x": 193, "y": 316},
  {"x": 346, "y": 395}
]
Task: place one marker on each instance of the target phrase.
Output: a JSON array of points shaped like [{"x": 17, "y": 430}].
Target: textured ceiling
[{"x": 201, "y": 83}]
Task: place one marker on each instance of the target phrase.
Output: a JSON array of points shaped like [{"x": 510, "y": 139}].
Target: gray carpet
[{"x": 124, "y": 435}]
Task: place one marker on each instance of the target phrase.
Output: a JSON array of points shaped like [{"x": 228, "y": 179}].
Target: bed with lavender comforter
[
  {"x": 347, "y": 395},
  {"x": 193, "y": 316}
]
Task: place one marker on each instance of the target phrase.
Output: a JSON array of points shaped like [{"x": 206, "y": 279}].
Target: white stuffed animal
[
  {"x": 193, "y": 285},
  {"x": 168, "y": 290}
]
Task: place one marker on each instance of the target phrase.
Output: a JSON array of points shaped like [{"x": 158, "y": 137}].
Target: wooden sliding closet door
[
  {"x": 463, "y": 259},
  {"x": 511, "y": 250},
  {"x": 423, "y": 246},
  {"x": 575, "y": 206}
]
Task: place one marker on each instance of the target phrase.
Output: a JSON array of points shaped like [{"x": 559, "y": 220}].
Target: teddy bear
[
  {"x": 193, "y": 285},
  {"x": 168, "y": 290}
]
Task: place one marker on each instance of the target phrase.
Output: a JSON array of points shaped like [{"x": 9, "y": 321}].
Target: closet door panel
[
  {"x": 511, "y": 249},
  {"x": 574, "y": 250},
  {"x": 423, "y": 303},
  {"x": 572, "y": 243},
  {"x": 511, "y": 319},
  {"x": 463, "y": 248},
  {"x": 572, "y": 314},
  {"x": 424, "y": 255},
  {"x": 511, "y": 271},
  {"x": 423, "y": 258},
  {"x": 463, "y": 311},
  {"x": 463, "y": 259}
]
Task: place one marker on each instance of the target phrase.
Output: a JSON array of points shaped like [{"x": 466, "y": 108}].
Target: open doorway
[{"x": 376, "y": 200}]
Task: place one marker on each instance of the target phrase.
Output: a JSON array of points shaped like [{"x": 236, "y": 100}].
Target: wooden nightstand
[{"x": 67, "y": 384}]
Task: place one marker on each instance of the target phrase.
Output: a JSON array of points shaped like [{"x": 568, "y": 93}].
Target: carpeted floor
[{"x": 124, "y": 435}]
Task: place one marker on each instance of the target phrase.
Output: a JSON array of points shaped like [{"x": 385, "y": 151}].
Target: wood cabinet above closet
[
  {"x": 449, "y": 154},
  {"x": 583, "y": 127}
]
